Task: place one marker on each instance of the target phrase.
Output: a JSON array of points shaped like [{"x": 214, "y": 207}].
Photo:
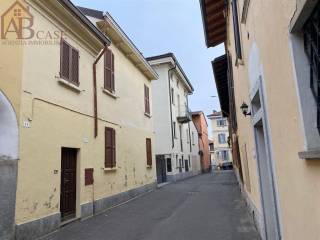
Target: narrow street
[{"x": 204, "y": 207}]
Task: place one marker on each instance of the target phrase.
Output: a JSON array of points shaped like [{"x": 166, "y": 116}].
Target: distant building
[
  {"x": 176, "y": 148},
  {"x": 211, "y": 149},
  {"x": 201, "y": 124},
  {"x": 221, "y": 154}
]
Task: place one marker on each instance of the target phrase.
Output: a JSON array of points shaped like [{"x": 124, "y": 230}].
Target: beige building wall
[
  {"x": 11, "y": 67},
  {"x": 266, "y": 48},
  {"x": 58, "y": 115}
]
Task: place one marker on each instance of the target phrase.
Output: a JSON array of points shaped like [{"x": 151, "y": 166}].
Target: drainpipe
[
  {"x": 169, "y": 71},
  {"x": 189, "y": 125},
  {"x": 95, "y": 100}
]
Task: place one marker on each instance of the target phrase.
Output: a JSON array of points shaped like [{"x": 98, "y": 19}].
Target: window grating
[{"x": 311, "y": 32}]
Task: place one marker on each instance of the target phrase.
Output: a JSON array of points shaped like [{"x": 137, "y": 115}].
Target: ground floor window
[
  {"x": 149, "y": 151},
  {"x": 223, "y": 155},
  {"x": 169, "y": 165},
  {"x": 110, "y": 148}
]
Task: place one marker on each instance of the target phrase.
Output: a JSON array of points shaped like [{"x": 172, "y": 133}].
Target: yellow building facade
[
  {"x": 59, "y": 119},
  {"x": 271, "y": 103}
]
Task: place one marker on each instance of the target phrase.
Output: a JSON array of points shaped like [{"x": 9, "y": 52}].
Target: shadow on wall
[{"x": 9, "y": 154}]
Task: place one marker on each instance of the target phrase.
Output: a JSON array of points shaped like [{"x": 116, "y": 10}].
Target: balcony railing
[{"x": 184, "y": 115}]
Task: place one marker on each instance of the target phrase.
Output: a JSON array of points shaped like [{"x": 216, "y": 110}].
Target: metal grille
[{"x": 312, "y": 48}]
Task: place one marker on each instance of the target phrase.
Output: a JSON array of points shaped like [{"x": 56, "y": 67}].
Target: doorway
[
  {"x": 68, "y": 183},
  {"x": 269, "y": 200},
  {"x": 9, "y": 156},
  {"x": 186, "y": 165},
  {"x": 161, "y": 169}
]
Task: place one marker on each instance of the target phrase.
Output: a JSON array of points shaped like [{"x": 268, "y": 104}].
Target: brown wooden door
[{"x": 68, "y": 183}]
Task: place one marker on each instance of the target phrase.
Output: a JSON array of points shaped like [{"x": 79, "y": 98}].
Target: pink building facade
[{"x": 201, "y": 124}]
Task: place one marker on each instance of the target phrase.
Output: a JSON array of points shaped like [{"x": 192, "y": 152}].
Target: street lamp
[{"x": 244, "y": 108}]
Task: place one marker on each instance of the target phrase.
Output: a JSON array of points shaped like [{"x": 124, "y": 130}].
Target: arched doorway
[{"x": 9, "y": 154}]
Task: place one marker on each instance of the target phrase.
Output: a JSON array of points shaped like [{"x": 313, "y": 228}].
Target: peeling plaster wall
[{"x": 58, "y": 116}]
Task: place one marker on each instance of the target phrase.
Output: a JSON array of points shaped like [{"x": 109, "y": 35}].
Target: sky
[{"x": 161, "y": 26}]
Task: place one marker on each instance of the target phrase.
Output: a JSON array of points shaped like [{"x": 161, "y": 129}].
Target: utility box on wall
[{"x": 88, "y": 176}]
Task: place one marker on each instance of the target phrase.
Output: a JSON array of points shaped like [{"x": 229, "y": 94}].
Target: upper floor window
[
  {"x": 69, "y": 63},
  {"x": 236, "y": 29},
  {"x": 109, "y": 71},
  {"x": 174, "y": 129},
  {"x": 147, "y": 99},
  {"x": 312, "y": 49},
  {"x": 221, "y": 123},
  {"x": 187, "y": 134},
  {"x": 192, "y": 138},
  {"x": 245, "y": 8},
  {"x": 222, "y": 138},
  {"x": 211, "y": 147},
  {"x": 172, "y": 96},
  {"x": 181, "y": 136},
  {"x": 224, "y": 155}
]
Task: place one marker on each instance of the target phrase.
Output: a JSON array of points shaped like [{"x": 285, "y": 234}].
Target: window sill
[
  {"x": 149, "y": 166},
  {"x": 110, "y": 169},
  {"x": 111, "y": 94},
  {"x": 69, "y": 85},
  {"x": 147, "y": 115},
  {"x": 313, "y": 154}
]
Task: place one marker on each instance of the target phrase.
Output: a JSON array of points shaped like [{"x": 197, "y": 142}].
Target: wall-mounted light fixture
[{"x": 244, "y": 108}]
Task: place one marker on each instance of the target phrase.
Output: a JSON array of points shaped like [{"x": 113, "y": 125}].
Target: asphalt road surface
[{"x": 205, "y": 207}]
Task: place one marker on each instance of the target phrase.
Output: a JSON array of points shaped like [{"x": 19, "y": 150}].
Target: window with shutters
[
  {"x": 187, "y": 134},
  {"x": 174, "y": 129},
  {"x": 193, "y": 143},
  {"x": 149, "y": 151},
  {"x": 172, "y": 96},
  {"x": 110, "y": 148},
  {"x": 236, "y": 29},
  {"x": 109, "y": 71},
  {"x": 69, "y": 63},
  {"x": 146, "y": 100}
]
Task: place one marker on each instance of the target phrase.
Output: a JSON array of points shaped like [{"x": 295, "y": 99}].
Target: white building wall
[
  {"x": 161, "y": 111},
  {"x": 162, "y": 125}
]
